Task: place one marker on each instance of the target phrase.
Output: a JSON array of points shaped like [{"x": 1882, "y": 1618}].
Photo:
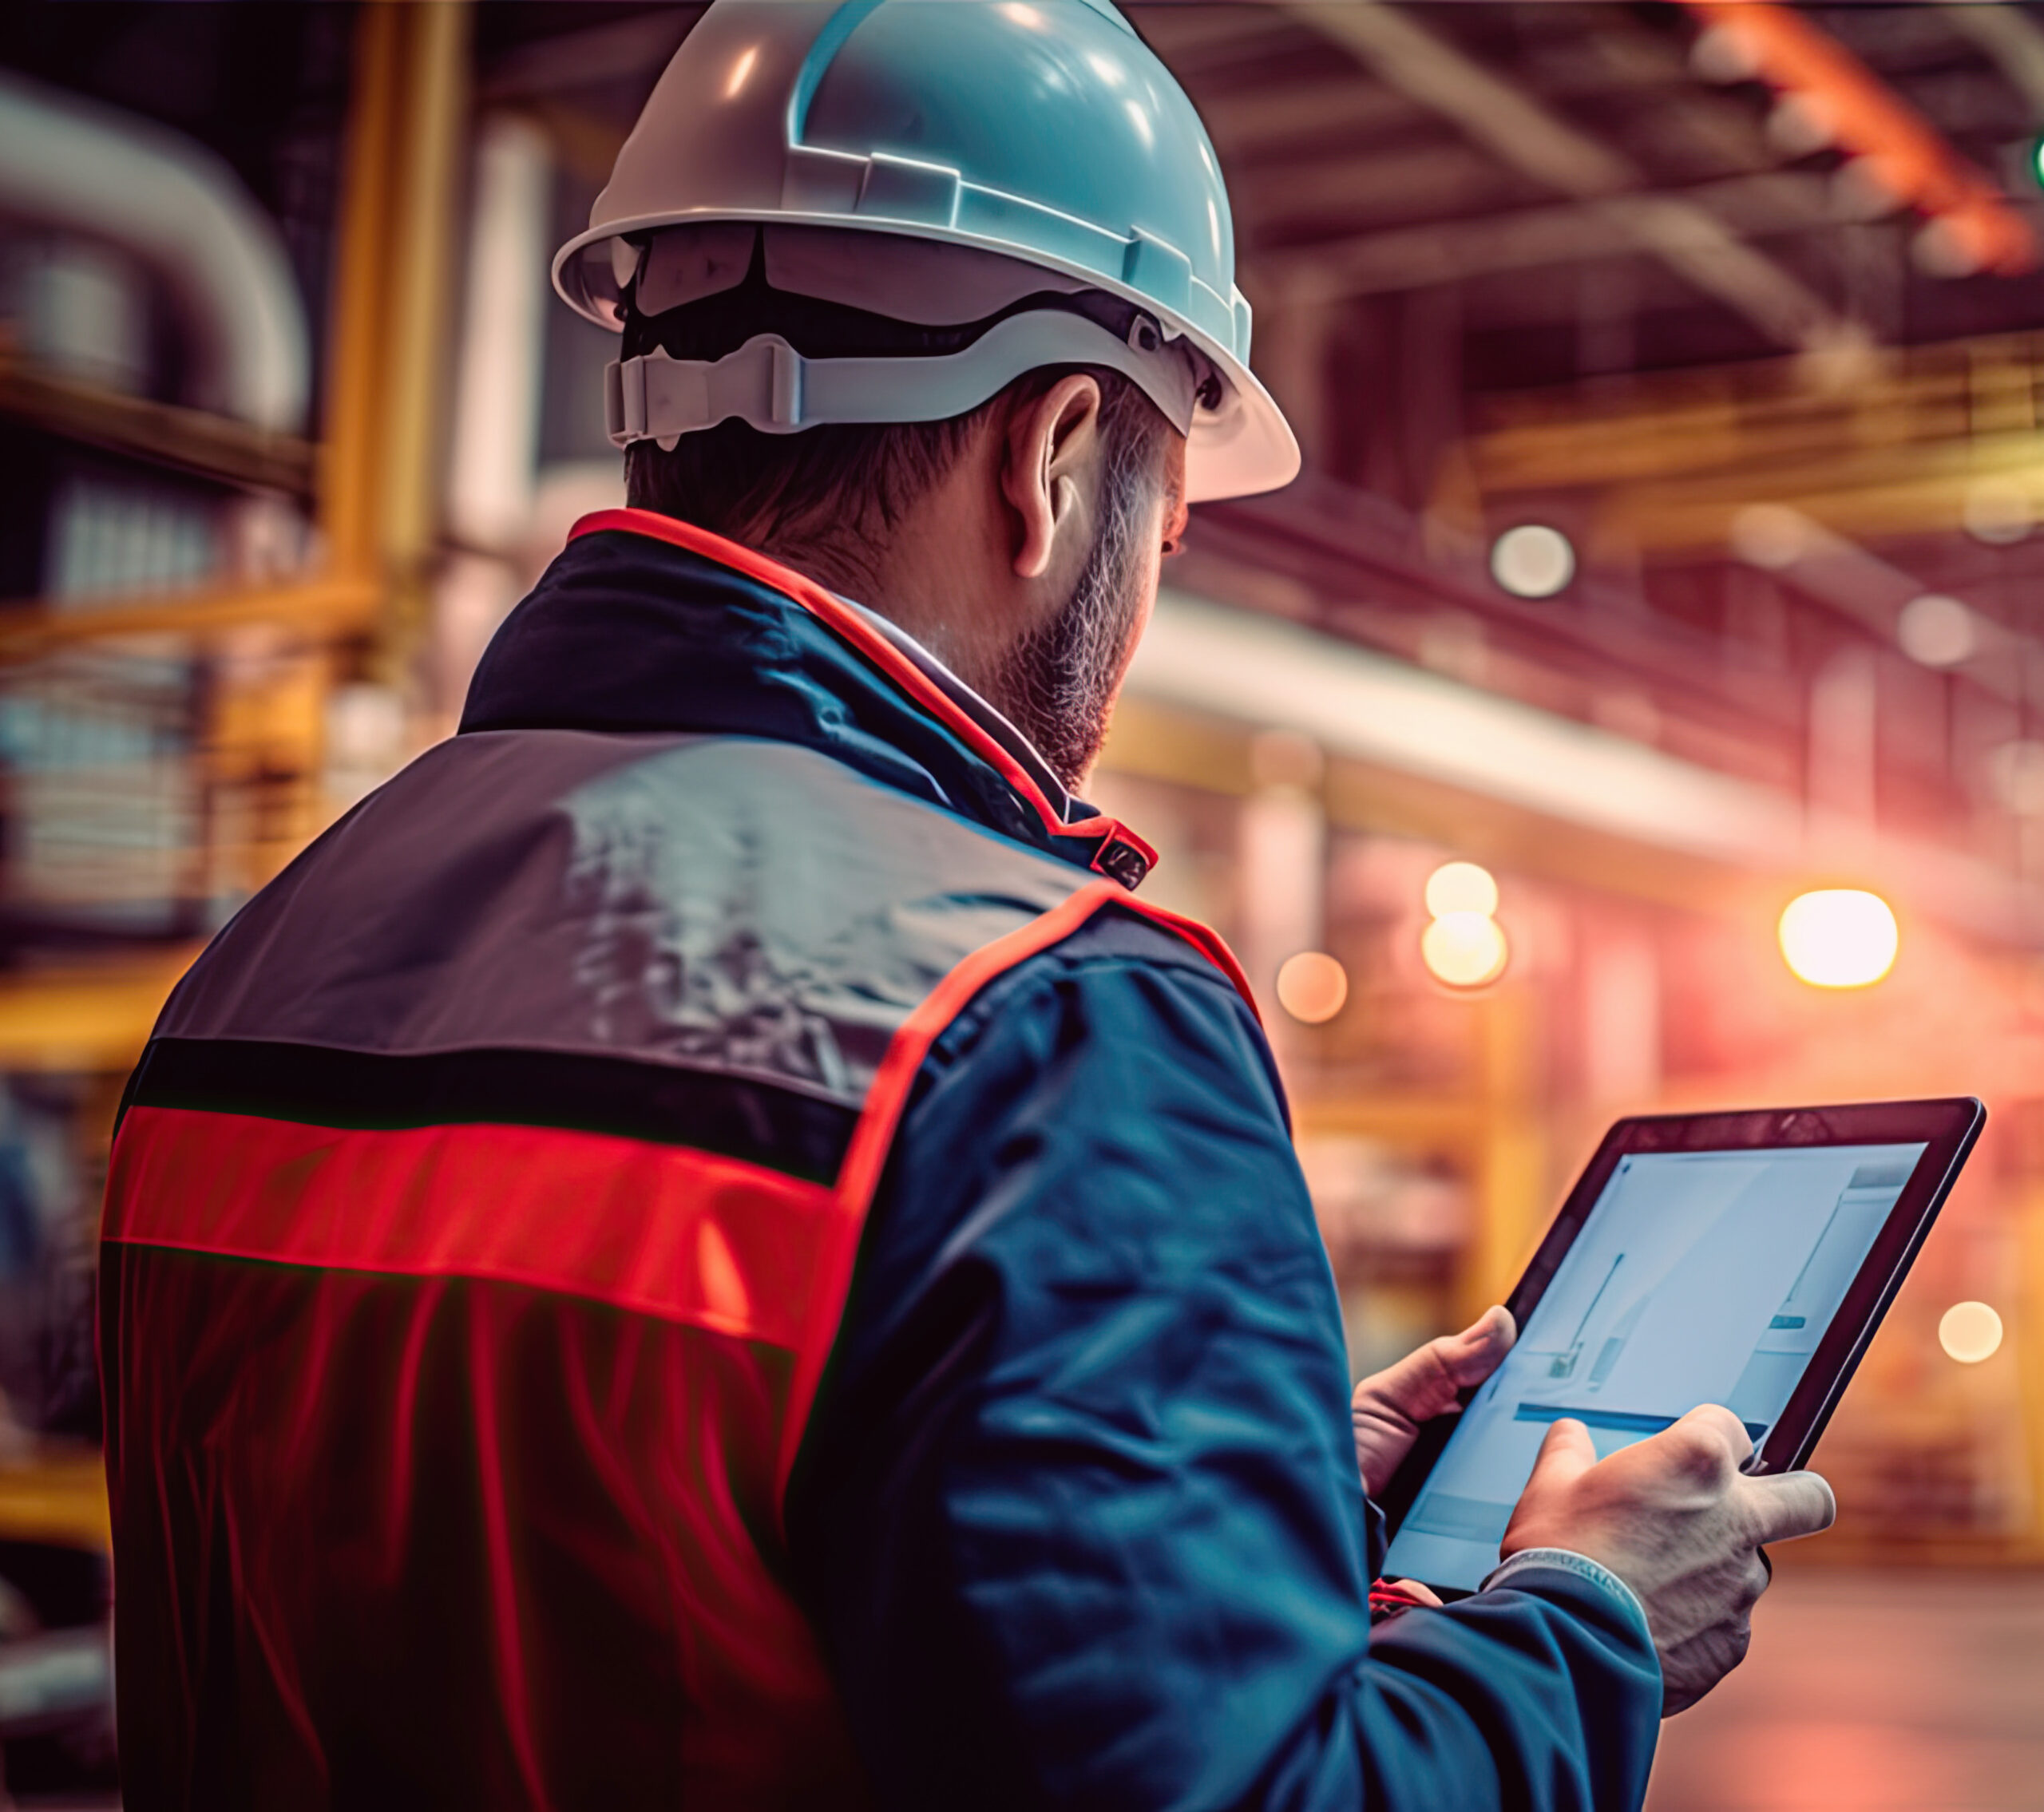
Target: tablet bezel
[{"x": 1947, "y": 1128}]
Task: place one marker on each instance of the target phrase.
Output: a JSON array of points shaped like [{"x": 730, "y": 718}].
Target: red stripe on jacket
[{"x": 658, "y": 1230}]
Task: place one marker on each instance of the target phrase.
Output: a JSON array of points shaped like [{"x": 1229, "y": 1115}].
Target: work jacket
[{"x": 702, "y": 1247}]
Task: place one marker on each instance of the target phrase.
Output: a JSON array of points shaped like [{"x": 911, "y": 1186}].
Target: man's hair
[
  {"x": 843, "y": 484},
  {"x": 839, "y": 486},
  {"x": 737, "y": 481}
]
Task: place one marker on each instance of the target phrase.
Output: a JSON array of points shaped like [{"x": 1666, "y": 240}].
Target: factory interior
[{"x": 1670, "y": 379}]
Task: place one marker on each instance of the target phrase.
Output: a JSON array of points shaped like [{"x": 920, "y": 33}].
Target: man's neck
[
  {"x": 976, "y": 707},
  {"x": 926, "y": 590}
]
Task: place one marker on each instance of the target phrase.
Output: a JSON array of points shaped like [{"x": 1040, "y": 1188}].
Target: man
[{"x": 702, "y": 1247}]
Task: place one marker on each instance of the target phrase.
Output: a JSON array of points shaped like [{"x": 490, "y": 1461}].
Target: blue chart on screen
[{"x": 1699, "y": 1277}]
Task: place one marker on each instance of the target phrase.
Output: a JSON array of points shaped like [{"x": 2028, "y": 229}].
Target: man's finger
[
  {"x": 1424, "y": 1383},
  {"x": 1796, "y": 1503},
  {"x": 1479, "y": 1350},
  {"x": 1565, "y": 1456}
]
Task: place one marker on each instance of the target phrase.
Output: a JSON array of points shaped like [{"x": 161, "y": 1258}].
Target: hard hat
[{"x": 1022, "y": 177}]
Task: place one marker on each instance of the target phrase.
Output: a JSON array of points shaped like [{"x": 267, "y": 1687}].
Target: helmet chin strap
[{"x": 768, "y": 384}]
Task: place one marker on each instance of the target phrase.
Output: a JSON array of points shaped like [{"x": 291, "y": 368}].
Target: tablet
[{"x": 1740, "y": 1258}]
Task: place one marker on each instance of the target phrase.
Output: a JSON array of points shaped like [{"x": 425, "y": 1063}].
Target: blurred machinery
[
  {"x": 222, "y": 301},
  {"x": 1670, "y": 382}
]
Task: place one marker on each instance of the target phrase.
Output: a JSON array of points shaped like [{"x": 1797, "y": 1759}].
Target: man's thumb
[{"x": 1565, "y": 1456}]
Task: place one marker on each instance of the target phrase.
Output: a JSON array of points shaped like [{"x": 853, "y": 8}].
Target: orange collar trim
[{"x": 1121, "y": 856}]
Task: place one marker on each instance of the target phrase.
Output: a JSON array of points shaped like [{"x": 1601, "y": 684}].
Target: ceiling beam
[
  {"x": 1343, "y": 106},
  {"x": 1904, "y": 451},
  {"x": 1362, "y": 191},
  {"x": 1439, "y": 252},
  {"x": 1217, "y": 45},
  {"x": 1224, "y": 662},
  {"x": 1197, "y": 24},
  {"x": 2012, "y": 40},
  {"x": 1517, "y": 128}
]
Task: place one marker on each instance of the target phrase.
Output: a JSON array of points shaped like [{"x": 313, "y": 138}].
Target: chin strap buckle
[{"x": 654, "y": 397}]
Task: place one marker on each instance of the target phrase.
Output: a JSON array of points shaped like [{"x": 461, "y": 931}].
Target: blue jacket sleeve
[{"x": 1077, "y": 1515}]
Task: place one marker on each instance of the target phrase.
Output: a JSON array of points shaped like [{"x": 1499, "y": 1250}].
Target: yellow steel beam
[
  {"x": 432, "y": 124},
  {"x": 193, "y": 440},
  {"x": 1403, "y": 1119},
  {"x": 56, "y": 1494},
  {"x": 1897, "y": 450},
  {"x": 394, "y": 271},
  {"x": 1861, "y": 500},
  {"x": 355, "y": 390},
  {"x": 1493, "y": 1135},
  {"x": 2029, "y": 1337},
  {"x": 86, "y": 1019},
  {"x": 375, "y": 472},
  {"x": 1680, "y": 438},
  {"x": 1511, "y": 1178},
  {"x": 336, "y": 606}
]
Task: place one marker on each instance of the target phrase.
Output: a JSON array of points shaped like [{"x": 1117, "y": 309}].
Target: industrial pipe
[{"x": 174, "y": 205}]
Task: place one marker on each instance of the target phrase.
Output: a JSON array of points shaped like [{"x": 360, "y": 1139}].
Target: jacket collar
[{"x": 646, "y": 623}]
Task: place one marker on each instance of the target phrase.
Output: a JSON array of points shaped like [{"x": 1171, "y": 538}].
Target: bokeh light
[
  {"x": 1461, "y": 887},
  {"x": 1312, "y": 986},
  {"x": 1532, "y": 560},
  {"x": 1772, "y": 536},
  {"x": 1937, "y": 631},
  {"x": 1839, "y": 937},
  {"x": 1464, "y": 949},
  {"x": 1998, "y": 511},
  {"x": 1970, "y": 1332}
]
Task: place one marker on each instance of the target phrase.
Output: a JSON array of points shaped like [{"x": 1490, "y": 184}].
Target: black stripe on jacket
[{"x": 757, "y": 1122}]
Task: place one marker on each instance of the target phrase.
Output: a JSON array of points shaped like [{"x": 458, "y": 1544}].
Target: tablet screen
[{"x": 1699, "y": 1277}]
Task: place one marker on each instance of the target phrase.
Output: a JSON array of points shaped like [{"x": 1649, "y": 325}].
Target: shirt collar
[
  {"x": 1070, "y": 809},
  {"x": 537, "y": 671}
]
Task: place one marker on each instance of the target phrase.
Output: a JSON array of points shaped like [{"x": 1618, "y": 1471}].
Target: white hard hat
[{"x": 1022, "y": 178}]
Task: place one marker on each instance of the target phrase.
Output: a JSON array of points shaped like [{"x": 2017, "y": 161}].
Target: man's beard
[{"x": 1057, "y": 685}]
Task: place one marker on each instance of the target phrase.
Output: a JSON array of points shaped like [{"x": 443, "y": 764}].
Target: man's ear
[{"x": 1049, "y": 474}]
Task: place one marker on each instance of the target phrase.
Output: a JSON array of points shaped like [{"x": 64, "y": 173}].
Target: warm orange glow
[
  {"x": 1839, "y": 937},
  {"x": 1974, "y": 225},
  {"x": 1461, "y": 887},
  {"x": 1464, "y": 949},
  {"x": 1312, "y": 986},
  {"x": 1970, "y": 1332}
]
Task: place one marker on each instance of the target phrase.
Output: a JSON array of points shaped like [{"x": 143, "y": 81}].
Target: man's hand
[
  {"x": 1389, "y": 1406},
  {"x": 1675, "y": 1519}
]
